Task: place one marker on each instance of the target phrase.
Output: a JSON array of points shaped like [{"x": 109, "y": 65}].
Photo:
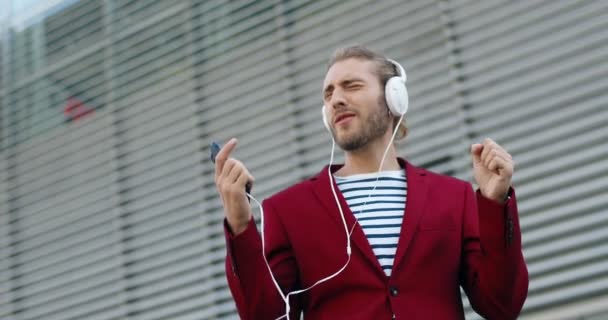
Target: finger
[
  {"x": 223, "y": 178},
  {"x": 495, "y": 146},
  {"x": 489, "y": 142},
  {"x": 220, "y": 179},
  {"x": 490, "y": 146},
  {"x": 235, "y": 171},
  {"x": 495, "y": 164},
  {"x": 501, "y": 166},
  {"x": 224, "y": 155},
  {"x": 244, "y": 178},
  {"x": 491, "y": 156},
  {"x": 485, "y": 152},
  {"x": 476, "y": 152},
  {"x": 499, "y": 163},
  {"x": 504, "y": 153},
  {"x": 487, "y": 156},
  {"x": 498, "y": 150}
]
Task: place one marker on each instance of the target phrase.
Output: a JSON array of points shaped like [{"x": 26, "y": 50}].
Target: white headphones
[{"x": 395, "y": 93}]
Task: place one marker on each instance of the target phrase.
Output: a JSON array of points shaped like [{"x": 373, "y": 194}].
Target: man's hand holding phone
[{"x": 233, "y": 181}]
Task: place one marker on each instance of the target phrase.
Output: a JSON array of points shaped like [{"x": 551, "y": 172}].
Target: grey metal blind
[
  {"x": 114, "y": 215},
  {"x": 165, "y": 248},
  {"x": 6, "y": 307},
  {"x": 2, "y": 63},
  {"x": 244, "y": 92},
  {"x": 64, "y": 258},
  {"x": 536, "y": 81},
  {"x": 70, "y": 30}
]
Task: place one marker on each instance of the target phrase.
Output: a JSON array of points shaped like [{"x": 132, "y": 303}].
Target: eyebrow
[{"x": 343, "y": 83}]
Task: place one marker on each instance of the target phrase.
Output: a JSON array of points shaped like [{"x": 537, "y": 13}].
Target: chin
[
  {"x": 350, "y": 143},
  {"x": 343, "y": 137}
]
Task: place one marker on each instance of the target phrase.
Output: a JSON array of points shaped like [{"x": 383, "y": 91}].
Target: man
[{"x": 417, "y": 236}]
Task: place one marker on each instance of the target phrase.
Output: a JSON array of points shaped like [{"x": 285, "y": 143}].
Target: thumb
[
  {"x": 224, "y": 154},
  {"x": 476, "y": 152}
]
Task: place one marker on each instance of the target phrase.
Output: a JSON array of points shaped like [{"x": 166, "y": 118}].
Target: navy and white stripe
[{"x": 379, "y": 214}]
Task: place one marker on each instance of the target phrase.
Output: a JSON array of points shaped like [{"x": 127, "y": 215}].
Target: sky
[{"x": 25, "y": 12}]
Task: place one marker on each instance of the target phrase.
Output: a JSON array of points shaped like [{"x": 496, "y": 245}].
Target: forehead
[{"x": 349, "y": 69}]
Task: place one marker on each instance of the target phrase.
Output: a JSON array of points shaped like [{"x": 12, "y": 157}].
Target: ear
[{"x": 325, "y": 121}]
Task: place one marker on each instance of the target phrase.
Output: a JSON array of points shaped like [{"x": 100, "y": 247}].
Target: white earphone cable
[
  {"x": 379, "y": 169},
  {"x": 348, "y": 247},
  {"x": 348, "y": 233}
]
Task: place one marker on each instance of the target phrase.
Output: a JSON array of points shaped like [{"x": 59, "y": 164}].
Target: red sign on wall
[{"x": 75, "y": 109}]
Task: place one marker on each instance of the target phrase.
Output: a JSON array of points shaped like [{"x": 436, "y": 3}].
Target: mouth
[{"x": 343, "y": 117}]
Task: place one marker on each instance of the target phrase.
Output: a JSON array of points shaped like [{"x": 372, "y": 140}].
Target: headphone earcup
[
  {"x": 396, "y": 96},
  {"x": 325, "y": 121}
]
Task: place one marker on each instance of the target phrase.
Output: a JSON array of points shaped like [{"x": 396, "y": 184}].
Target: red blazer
[{"x": 450, "y": 237}]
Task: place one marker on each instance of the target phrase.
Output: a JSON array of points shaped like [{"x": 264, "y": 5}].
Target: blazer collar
[{"x": 414, "y": 208}]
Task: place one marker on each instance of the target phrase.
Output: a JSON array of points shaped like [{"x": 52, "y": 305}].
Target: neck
[{"x": 367, "y": 159}]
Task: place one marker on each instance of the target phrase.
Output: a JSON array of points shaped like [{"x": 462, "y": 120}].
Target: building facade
[{"x": 108, "y": 208}]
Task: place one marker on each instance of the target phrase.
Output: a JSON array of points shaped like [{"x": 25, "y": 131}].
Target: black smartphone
[{"x": 215, "y": 149}]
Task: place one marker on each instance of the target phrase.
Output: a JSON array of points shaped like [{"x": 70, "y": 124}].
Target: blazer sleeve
[
  {"x": 494, "y": 275},
  {"x": 249, "y": 280}
]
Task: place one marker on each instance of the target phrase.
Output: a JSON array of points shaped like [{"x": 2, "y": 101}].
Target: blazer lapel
[
  {"x": 324, "y": 193},
  {"x": 414, "y": 209}
]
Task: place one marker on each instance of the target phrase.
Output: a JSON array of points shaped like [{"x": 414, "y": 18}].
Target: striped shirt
[{"x": 379, "y": 214}]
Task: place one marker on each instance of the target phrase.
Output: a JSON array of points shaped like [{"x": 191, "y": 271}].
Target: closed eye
[
  {"x": 352, "y": 84},
  {"x": 348, "y": 84}
]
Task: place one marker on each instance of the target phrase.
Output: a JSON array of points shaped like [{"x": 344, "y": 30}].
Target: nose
[{"x": 338, "y": 99}]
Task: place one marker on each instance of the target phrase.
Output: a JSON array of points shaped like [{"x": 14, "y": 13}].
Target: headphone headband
[{"x": 400, "y": 71}]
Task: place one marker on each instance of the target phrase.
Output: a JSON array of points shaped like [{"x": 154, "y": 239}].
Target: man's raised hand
[
  {"x": 231, "y": 179},
  {"x": 493, "y": 168}
]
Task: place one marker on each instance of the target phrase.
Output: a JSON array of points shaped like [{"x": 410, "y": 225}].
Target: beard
[{"x": 373, "y": 127}]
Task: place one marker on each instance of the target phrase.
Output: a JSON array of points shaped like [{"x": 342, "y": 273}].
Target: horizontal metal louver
[
  {"x": 535, "y": 81},
  {"x": 64, "y": 259},
  {"x": 108, "y": 207},
  {"x": 242, "y": 75}
]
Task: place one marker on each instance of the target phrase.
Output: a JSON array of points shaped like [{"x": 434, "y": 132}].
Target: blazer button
[{"x": 394, "y": 291}]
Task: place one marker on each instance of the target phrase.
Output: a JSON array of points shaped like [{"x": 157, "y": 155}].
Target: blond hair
[{"x": 384, "y": 70}]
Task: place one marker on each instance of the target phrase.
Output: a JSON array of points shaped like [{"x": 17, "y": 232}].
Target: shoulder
[{"x": 296, "y": 190}]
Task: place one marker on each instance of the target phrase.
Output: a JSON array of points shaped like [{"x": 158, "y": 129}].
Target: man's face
[{"x": 354, "y": 100}]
